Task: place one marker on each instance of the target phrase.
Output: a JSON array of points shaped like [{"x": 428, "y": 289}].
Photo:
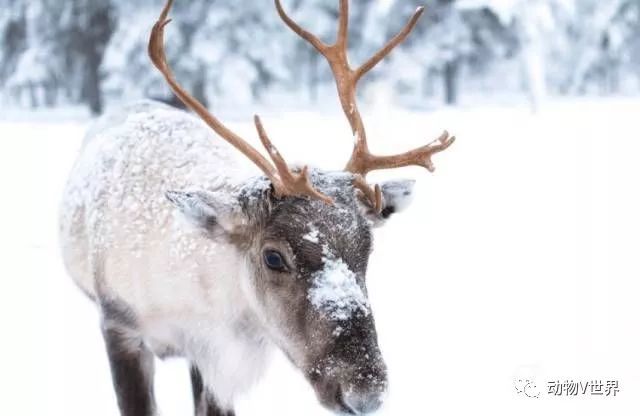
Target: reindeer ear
[
  {"x": 209, "y": 210},
  {"x": 396, "y": 197}
]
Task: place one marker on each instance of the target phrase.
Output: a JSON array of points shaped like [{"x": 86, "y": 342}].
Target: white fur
[{"x": 120, "y": 238}]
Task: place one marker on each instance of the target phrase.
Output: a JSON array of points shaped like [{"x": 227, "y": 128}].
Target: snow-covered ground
[{"x": 518, "y": 259}]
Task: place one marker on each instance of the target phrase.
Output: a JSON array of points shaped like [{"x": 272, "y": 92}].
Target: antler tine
[
  {"x": 386, "y": 49},
  {"x": 374, "y": 195},
  {"x": 420, "y": 156},
  {"x": 343, "y": 25},
  {"x": 293, "y": 183},
  {"x": 284, "y": 181},
  {"x": 304, "y": 34}
]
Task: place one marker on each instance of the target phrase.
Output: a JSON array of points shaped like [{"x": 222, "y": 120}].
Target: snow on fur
[
  {"x": 312, "y": 235},
  {"x": 335, "y": 291}
]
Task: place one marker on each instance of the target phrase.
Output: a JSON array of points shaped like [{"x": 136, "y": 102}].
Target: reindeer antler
[
  {"x": 284, "y": 180},
  {"x": 362, "y": 161}
]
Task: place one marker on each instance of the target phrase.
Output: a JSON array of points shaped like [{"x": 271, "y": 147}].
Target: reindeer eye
[{"x": 274, "y": 260}]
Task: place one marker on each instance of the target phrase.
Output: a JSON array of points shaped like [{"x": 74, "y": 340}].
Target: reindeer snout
[
  {"x": 350, "y": 377},
  {"x": 352, "y": 388},
  {"x": 361, "y": 402},
  {"x": 362, "y": 389}
]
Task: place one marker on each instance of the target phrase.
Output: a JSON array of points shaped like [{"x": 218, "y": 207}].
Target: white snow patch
[
  {"x": 335, "y": 291},
  {"x": 312, "y": 235}
]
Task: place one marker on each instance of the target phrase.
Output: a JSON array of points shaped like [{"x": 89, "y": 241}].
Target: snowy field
[{"x": 518, "y": 259}]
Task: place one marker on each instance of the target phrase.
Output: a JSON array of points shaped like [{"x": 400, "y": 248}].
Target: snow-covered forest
[{"x": 93, "y": 53}]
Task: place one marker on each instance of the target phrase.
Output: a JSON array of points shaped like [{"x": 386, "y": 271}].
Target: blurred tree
[
  {"x": 86, "y": 34},
  {"x": 51, "y": 46},
  {"x": 530, "y": 22},
  {"x": 453, "y": 39},
  {"x": 225, "y": 51},
  {"x": 13, "y": 35},
  {"x": 605, "y": 35}
]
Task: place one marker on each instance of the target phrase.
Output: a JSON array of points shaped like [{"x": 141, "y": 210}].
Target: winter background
[{"x": 518, "y": 259}]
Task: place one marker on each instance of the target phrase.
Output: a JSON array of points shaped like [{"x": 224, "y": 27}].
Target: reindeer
[{"x": 189, "y": 252}]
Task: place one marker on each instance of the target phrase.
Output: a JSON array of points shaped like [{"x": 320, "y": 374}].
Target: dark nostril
[{"x": 362, "y": 402}]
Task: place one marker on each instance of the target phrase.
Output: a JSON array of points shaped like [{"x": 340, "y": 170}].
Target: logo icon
[{"x": 527, "y": 388}]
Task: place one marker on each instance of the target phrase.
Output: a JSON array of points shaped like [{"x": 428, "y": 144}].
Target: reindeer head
[{"x": 307, "y": 234}]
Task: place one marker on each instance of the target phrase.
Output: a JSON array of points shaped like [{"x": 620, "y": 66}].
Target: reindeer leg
[
  {"x": 131, "y": 370},
  {"x": 204, "y": 403}
]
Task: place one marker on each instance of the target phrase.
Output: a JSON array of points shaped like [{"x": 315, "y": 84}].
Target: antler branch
[
  {"x": 420, "y": 156},
  {"x": 362, "y": 161},
  {"x": 284, "y": 181}
]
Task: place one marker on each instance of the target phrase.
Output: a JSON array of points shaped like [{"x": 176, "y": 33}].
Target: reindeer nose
[{"x": 362, "y": 402}]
